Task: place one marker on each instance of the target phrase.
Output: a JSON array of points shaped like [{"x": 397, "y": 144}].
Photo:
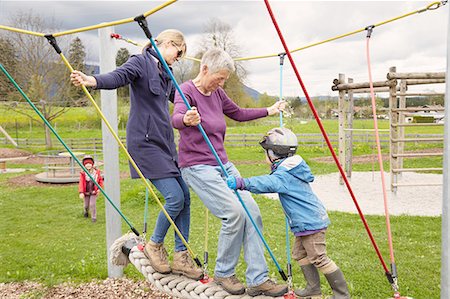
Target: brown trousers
[{"x": 312, "y": 249}]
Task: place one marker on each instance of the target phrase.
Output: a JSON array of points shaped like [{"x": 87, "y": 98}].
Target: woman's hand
[
  {"x": 191, "y": 118},
  {"x": 78, "y": 78},
  {"x": 276, "y": 108}
]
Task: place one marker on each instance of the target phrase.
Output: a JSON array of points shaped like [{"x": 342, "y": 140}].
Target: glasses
[{"x": 180, "y": 51}]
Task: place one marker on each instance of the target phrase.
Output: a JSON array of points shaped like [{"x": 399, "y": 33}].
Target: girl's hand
[
  {"x": 78, "y": 78},
  {"x": 81, "y": 195}
]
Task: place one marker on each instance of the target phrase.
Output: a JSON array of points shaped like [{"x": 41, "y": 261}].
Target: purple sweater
[{"x": 192, "y": 149}]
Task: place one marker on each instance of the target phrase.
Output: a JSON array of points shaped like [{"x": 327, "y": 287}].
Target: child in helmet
[
  {"x": 87, "y": 189},
  {"x": 308, "y": 219}
]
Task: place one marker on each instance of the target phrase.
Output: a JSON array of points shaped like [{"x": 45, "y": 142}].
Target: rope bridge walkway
[{"x": 129, "y": 249}]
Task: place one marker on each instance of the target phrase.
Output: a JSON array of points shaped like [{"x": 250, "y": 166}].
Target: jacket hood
[{"x": 297, "y": 167}]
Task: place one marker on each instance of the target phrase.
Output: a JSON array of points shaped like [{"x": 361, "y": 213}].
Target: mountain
[{"x": 253, "y": 93}]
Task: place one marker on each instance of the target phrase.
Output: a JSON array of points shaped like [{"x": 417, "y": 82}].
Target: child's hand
[
  {"x": 231, "y": 182},
  {"x": 81, "y": 195}
]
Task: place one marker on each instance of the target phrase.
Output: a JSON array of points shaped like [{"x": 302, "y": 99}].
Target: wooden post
[
  {"x": 349, "y": 133},
  {"x": 7, "y": 137},
  {"x": 393, "y": 120},
  {"x": 110, "y": 148},
  {"x": 401, "y": 120},
  {"x": 341, "y": 114}
]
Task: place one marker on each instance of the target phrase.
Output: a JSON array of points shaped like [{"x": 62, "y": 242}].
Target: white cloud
[{"x": 414, "y": 43}]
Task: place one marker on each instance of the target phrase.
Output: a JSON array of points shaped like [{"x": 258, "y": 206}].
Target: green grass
[{"x": 43, "y": 236}]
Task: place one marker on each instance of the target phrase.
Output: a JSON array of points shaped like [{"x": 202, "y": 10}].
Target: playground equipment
[
  {"x": 142, "y": 22},
  {"x": 397, "y": 87},
  {"x": 58, "y": 170}
]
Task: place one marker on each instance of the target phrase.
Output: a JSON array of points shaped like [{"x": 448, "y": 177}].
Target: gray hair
[{"x": 216, "y": 60}]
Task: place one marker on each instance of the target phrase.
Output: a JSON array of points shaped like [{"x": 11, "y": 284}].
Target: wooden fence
[{"x": 238, "y": 140}]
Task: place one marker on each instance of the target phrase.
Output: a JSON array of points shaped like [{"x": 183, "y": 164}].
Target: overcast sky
[{"x": 413, "y": 44}]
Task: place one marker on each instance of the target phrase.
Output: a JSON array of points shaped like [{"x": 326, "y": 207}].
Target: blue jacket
[
  {"x": 291, "y": 181},
  {"x": 150, "y": 138}
]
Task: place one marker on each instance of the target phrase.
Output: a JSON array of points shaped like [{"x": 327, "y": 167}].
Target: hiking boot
[
  {"x": 268, "y": 288},
  {"x": 157, "y": 255},
  {"x": 184, "y": 265},
  {"x": 86, "y": 212},
  {"x": 230, "y": 284}
]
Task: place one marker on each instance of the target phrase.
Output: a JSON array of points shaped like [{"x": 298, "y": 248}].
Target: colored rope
[
  {"x": 380, "y": 162},
  {"x": 314, "y": 111}
]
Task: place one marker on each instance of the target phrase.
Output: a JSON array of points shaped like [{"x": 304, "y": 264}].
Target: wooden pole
[
  {"x": 344, "y": 86},
  {"x": 393, "y": 120},
  {"x": 401, "y": 120},
  {"x": 395, "y": 75},
  {"x": 341, "y": 114},
  {"x": 110, "y": 148},
  {"x": 9, "y": 138},
  {"x": 349, "y": 133}
]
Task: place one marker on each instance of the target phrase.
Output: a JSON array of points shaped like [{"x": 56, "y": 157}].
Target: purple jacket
[
  {"x": 192, "y": 148},
  {"x": 149, "y": 132}
]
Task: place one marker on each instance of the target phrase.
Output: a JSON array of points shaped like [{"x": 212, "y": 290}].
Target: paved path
[{"x": 411, "y": 200}]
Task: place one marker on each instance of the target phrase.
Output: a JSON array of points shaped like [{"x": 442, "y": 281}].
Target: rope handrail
[
  {"x": 432, "y": 6},
  {"x": 88, "y": 28},
  {"x": 322, "y": 129}
]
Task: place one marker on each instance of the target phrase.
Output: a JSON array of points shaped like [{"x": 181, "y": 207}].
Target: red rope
[
  {"x": 316, "y": 116},
  {"x": 380, "y": 157}
]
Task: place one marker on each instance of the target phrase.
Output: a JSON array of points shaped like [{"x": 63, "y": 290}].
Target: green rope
[{"x": 66, "y": 147}]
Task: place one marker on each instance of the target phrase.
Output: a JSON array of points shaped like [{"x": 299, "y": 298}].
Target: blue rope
[
  {"x": 211, "y": 147},
  {"x": 288, "y": 245}
]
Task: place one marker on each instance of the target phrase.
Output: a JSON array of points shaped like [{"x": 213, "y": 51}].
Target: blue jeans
[
  {"x": 178, "y": 206},
  {"x": 237, "y": 231}
]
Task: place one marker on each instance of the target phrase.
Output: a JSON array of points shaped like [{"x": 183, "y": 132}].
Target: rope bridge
[{"x": 129, "y": 249}]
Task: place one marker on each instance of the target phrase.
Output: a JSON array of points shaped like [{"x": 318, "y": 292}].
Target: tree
[
  {"x": 183, "y": 70},
  {"x": 219, "y": 34},
  {"x": 8, "y": 59},
  {"x": 39, "y": 71},
  {"x": 77, "y": 56},
  {"x": 122, "y": 56}
]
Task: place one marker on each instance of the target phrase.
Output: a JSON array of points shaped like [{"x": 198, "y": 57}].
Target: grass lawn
[{"x": 43, "y": 236}]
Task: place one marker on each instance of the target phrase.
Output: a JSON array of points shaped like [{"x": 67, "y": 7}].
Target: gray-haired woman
[{"x": 202, "y": 173}]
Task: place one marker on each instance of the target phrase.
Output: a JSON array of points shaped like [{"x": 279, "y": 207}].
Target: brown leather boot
[
  {"x": 268, "y": 288},
  {"x": 157, "y": 255},
  {"x": 184, "y": 265},
  {"x": 230, "y": 284}
]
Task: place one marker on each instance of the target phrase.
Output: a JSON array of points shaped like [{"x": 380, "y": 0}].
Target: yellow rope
[
  {"x": 102, "y": 25},
  {"x": 113, "y": 23},
  {"x": 432, "y": 6},
  {"x": 21, "y": 31}
]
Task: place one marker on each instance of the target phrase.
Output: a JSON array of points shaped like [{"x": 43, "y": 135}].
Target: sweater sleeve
[
  {"x": 123, "y": 75},
  {"x": 237, "y": 113},
  {"x": 272, "y": 183},
  {"x": 180, "y": 109}
]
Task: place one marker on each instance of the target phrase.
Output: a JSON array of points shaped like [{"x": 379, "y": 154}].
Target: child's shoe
[{"x": 312, "y": 277}]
